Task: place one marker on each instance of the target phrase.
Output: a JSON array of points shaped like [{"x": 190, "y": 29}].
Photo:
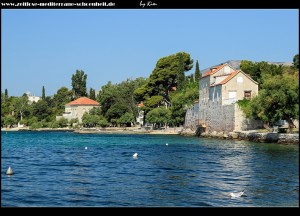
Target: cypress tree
[
  {"x": 43, "y": 93},
  {"x": 197, "y": 72}
]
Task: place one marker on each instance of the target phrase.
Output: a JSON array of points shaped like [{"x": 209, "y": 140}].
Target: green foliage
[
  {"x": 9, "y": 121},
  {"x": 19, "y": 105},
  {"x": 259, "y": 71},
  {"x": 36, "y": 125},
  {"x": 278, "y": 99},
  {"x": 181, "y": 100},
  {"x": 60, "y": 99},
  {"x": 6, "y": 93},
  {"x": 43, "y": 93},
  {"x": 153, "y": 102},
  {"x": 92, "y": 94},
  {"x": 117, "y": 99},
  {"x": 159, "y": 116},
  {"x": 79, "y": 84},
  {"x": 197, "y": 72},
  {"x": 180, "y": 73},
  {"x": 62, "y": 122},
  {"x": 41, "y": 110},
  {"x": 89, "y": 120},
  {"x": 164, "y": 76},
  {"x": 244, "y": 105},
  {"x": 127, "y": 118},
  {"x": 296, "y": 61}
]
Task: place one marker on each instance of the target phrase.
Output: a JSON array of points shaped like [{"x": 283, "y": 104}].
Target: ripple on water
[{"x": 54, "y": 169}]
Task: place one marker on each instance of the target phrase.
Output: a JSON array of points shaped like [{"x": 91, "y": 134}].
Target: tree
[
  {"x": 127, "y": 119},
  {"x": 180, "y": 72},
  {"x": 79, "y": 84},
  {"x": 60, "y": 99},
  {"x": 117, "y": 99},
  {"x": 261, "y": 70},
  {"x": 296, "y": 61},
  {"x": 41, "y": 110},
  {"x": 9, "y": 121},
  {"x": 43, "y": 93},
  {"x": 20, "y": 105},
  {"x": 164, "y": 77},
  {"x": 6, "y": 93},
  {"x": 181, "y": 100},
  {"x": 159, "y": 116},
  {"x": 278, "y": 99},
  {"x": 197, "y": 72},
  {"x": 92, "y": 94}
]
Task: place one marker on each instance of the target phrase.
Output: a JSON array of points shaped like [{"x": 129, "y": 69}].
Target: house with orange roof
[
  {"x": 219, "y": 90},
  {"x": 140, "y": 117},
  {"x": 76, "y": 109}
]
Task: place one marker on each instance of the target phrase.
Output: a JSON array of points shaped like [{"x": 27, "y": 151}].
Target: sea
[{"x": 66, "y": 169}]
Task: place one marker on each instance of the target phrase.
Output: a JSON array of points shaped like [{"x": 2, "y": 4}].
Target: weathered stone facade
[
  {"x": 192, "y": 117},
  {"x": 219, "y": 89}
]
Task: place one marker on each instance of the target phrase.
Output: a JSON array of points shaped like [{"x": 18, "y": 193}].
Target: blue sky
[{"x": 45, "y": 47}]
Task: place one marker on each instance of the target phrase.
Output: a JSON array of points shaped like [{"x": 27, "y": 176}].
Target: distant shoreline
[
  {"x": 110, "y": 130},
  {"x": 252, "y": 136}
]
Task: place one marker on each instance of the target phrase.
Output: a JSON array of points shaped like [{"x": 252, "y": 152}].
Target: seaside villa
[
  {"x": 76, "y": 109},
  {"x": 219, "y": 90}
]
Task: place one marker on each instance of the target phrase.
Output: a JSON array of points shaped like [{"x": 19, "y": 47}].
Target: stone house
[
  {"x": 76, "y": 109},
  {"x": 140, "y": 117},
  {"x": 219, "y": 89}
]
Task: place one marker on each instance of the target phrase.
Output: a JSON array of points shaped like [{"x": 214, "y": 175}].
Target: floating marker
[
  {"x": 9, "y": 171},
  {"x": 85, "y": 148},
  {"x": 167, "y": 144},
  {"x": 135, "y": 155}
]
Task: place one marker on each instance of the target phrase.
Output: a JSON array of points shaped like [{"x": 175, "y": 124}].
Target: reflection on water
[{"x": 55, "y": 169}]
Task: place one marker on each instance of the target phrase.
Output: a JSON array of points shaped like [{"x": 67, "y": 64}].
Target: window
[
  {"x": 232, "y": 94},
  {"x": 240, "y": 79},
  {"x": 247, "y": 94}
]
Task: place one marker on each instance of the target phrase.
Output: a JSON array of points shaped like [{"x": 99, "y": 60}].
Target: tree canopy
[{"x": 79, "y": 84}]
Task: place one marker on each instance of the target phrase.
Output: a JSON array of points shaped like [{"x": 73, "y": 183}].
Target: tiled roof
[
  {"x": 229, "y": 77},
  {"x": 214, "y": 71},
  {"x": 141, "y": 104},
  {"x": 232, "y": 75},
  {"x": 83, "y": 101}
]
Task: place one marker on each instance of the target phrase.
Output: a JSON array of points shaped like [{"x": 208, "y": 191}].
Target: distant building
[
  {"x": 219, "y": 89},
  {"x": 32, "y": 98},
  {"x": 76, "y": 109},
  {"x": 140, "y": 117}
]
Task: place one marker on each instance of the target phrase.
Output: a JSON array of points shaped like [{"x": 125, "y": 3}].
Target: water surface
[{"x": 55, "y": 169}]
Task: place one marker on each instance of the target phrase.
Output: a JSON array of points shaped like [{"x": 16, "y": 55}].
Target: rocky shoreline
[{"x": 254, "y": 136}]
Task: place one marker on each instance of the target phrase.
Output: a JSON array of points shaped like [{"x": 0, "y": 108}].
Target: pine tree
[
  {"x": 180, "y": 73},
  {"x": 6, "y": 93},
  {"x": 43, "y": 93},
  {"x": 197, "y": 72}
]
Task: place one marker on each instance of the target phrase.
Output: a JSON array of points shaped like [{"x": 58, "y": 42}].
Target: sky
[{"x": 45, "y": 47}]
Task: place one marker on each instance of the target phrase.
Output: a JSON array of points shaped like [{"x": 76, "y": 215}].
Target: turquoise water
[{"x": 55, "y": 169}]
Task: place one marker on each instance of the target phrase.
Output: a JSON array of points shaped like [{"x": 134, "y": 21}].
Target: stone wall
[
  {"x": 242, "y": 123},
  {"x": 219, "y": 118}
]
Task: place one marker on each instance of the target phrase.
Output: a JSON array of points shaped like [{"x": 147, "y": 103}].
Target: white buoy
[
  {"x": 167, "y": 144},
  {"x": 85, "y": 148},
  {"x": 9, "y": 171},
  {"x": 135, "y": 155}
]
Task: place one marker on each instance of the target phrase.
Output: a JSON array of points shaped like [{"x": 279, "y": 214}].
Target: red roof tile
[
  {"x": 229, "y": 77},
  {"x": 83, "y": 101},
  {"x": 214, "y": 70},
  {"x": 141, "y": 104}
]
